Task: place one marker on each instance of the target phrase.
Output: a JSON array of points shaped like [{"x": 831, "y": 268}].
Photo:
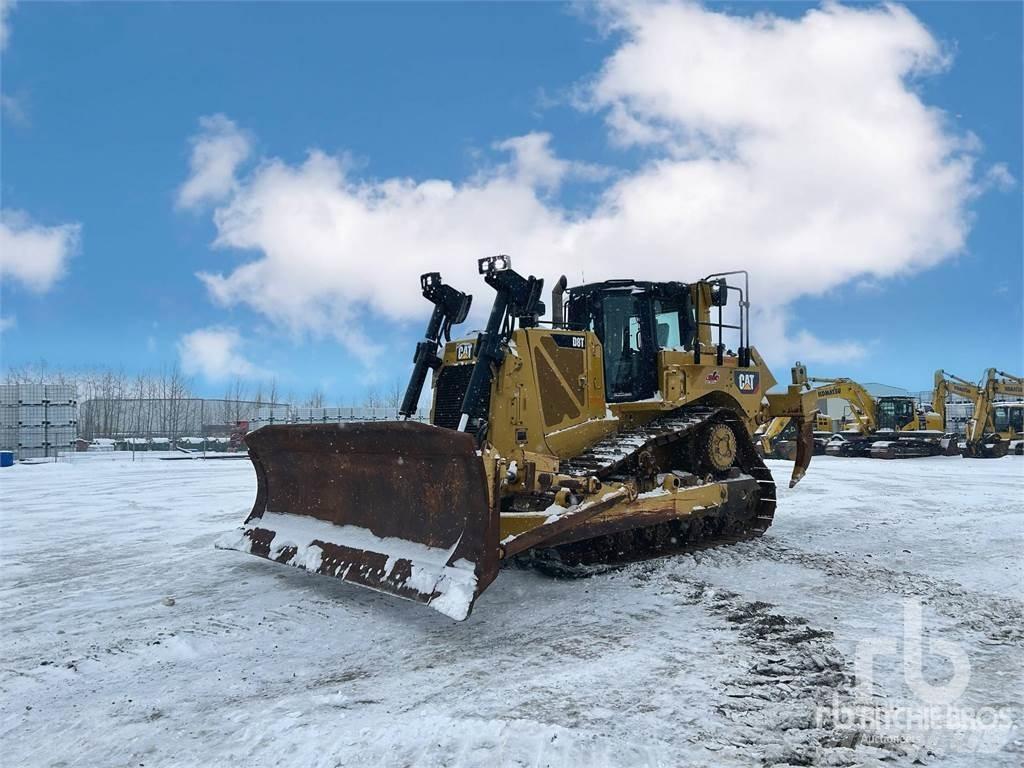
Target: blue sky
[{"x": 102, "y": 122}]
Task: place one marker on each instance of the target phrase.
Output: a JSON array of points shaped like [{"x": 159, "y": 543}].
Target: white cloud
[
  {"x": 535, "y": 165},
  {"x": 35, "y": 255},
  {"x": 214, "y": 354},
  {"x": 777, "y": 342},
  {"x": 6, "y": 6},
  {"x": 999, "y": 176},
  {"x": 796, "y": 149},
  {"x": 12, "y": 109},
  {"x": 7, "y": 322},
  {"x": 217, "y": 151}
]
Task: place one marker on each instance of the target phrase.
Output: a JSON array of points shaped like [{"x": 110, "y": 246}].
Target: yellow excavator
[
  {"x": 620, "y": 429},
  {"x": 995, "y": 427},
  {"x": 778, "y": 438},
  {"x": 1008, "y": 424},
  {"x": 888, "y": 427},
  {"x": 1002, "y": 430}
]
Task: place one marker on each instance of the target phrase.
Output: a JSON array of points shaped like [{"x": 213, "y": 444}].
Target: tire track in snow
[
  {"x": 787, "y": 670},
  {"x": 999, "y": 618}
]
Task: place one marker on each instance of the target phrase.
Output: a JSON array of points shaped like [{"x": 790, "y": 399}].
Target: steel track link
[{"x": 616, "y": 458}]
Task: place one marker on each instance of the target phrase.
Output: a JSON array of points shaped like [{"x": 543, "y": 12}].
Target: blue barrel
[{"x": 6, "y": 458}]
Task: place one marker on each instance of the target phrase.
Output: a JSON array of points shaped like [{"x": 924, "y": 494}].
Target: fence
[
  {"x": 38, "y": 420},
  {"x": 174, "y": 420},
  {"x": 299, "y": 415}
]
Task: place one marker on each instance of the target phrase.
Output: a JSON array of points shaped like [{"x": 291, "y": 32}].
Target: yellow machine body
[{"x": 620, "y": 429}]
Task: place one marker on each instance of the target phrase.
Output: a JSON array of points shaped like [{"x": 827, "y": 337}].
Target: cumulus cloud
[
  {"x": 217, "y": 151},
  {"x": 214, "y": 353},
  {"x": 535, "y": 164},
  {"x": 796, "y": 149},
  {"x": 32, "y": 254},
  {"x": 999, "y": 176},
  {"x": 7, "y": 322}
]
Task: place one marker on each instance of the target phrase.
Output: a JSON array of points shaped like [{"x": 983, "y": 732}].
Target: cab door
[{"x": 623, "y": 324}]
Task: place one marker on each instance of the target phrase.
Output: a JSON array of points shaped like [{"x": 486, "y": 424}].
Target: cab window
[
  {"x": 1009, "y": 418},
  {"x": 673, "y": 325}
]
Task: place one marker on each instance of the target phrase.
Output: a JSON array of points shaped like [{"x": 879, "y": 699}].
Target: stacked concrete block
[{"x": 38, "y": 420}]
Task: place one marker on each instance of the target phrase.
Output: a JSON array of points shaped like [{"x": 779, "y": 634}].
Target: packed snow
[{"x": 129, "y": 640}]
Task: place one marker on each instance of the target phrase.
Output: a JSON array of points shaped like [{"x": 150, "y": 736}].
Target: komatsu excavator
[
  {"x": 621, "y": 429},
  {"x": 1008, "y": 424},
  {"x": 996, "y": 427},
  {"x": 888, "y": 427}
]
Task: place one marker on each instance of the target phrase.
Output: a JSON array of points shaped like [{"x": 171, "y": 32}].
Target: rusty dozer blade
[
  {"x": 804, "y": 449},
  {"x": 399, "y": 507}
]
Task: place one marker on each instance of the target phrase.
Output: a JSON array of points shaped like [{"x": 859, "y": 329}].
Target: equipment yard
[{"x": 131, "y": 641}]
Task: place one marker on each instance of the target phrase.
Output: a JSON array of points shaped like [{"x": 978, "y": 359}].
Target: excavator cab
[
  {"x": 1008, "y": 418},
  {"x": 894, "y": 413}
]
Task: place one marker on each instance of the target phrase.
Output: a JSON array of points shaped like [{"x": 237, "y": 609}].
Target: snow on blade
[{"x": 453, "y": 585}]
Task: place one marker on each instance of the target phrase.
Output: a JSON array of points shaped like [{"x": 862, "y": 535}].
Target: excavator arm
[
  {"x": 800, "y": 402},
  {"x": 862, "y": 404},
  {"x": 771, "y": 432},
  {"x": 947, "y": 384},
  {"x": 980, "y": 441}
]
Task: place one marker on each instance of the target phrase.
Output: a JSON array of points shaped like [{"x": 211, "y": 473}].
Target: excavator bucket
[{"x": 398, "y": 507}]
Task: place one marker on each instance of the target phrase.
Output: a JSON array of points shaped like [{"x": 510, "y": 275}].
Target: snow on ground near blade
[{"x": 711, "y": 659}]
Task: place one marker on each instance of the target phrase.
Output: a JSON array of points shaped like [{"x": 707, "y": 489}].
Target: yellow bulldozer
[{"x": 621, "y": 429}]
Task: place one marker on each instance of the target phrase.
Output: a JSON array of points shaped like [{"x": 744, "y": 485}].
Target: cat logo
[
  {"x": 747, "y": 381},
  {"x": 711, "y": 378},
  {"x": 464, "y": 351}
]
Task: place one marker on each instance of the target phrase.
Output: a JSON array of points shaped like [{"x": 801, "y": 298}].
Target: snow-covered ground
[{"x": 128, "y": 640}]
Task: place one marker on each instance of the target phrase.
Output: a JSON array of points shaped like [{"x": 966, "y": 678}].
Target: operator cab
[
  {"x": 895, "y": 412},
  {"x": 1008, "y": 418},
  {"x": 633, "y": 320}
]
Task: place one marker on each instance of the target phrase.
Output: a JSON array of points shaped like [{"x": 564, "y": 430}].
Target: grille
[{"x": 452, "y": 383}]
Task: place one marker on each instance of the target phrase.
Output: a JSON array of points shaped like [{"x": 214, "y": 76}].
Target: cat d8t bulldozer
[{"x": 620, "y": 429}]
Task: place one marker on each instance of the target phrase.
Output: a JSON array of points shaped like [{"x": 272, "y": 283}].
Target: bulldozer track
[{"x": 674, "y": 442}]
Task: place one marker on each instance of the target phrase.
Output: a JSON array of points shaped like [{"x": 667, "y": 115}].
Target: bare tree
[
  {"x": 372, "y": 399},
  {"x": 393, "y": 398},
  {"x": 235, "y": 400}
]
